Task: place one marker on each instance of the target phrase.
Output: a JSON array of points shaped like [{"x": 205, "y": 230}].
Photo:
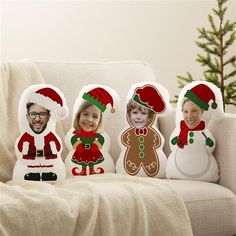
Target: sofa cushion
[{"x": 211, "y": 207}]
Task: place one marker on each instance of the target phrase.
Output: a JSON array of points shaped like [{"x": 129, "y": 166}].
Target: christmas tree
[{"x": 220, "y": 69}]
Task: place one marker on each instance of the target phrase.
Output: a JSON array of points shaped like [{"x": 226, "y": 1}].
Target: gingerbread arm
[{"x": 125, "y": 138}]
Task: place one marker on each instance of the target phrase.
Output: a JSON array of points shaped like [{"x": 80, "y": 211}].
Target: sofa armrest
[{"x": 224, "y": 131}]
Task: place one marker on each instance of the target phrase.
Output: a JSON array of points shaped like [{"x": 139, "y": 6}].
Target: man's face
[{"x": 38, "y": 117}]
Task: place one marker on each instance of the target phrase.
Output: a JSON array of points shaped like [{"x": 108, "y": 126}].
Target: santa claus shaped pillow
[
  {"x": 38, "y": 148},
  {"x": 87, "y": 141},
  {"x": 191, "y": 142},
  {"x": 141, "y": 143}
]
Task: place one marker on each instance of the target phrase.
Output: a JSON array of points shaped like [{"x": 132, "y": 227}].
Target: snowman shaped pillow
[
  {"x": 141, "y": 143},
  {"x": 191, "y": 142},
  {"x": 38, "y": 148},
  {"x": 87, "y": 141}
]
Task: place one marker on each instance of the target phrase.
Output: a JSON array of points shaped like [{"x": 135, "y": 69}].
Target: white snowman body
[
  {"x": 192, "y": 147},
  {"x": 195, "y": 159}
]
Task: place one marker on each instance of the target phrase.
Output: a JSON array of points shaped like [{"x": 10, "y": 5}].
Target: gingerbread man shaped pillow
[
  {"x": 38, "y": 148},
  {"x": 87, "y": 141},
  {"x": 141, "y": 142},
  {"x": 191, "y": 142}
]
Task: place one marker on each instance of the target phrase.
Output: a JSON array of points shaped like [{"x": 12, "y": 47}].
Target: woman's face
[
  {"x": 90, "y": 118},
  {"x": 192, "y": 114},
  {"x": 139, "y": 117}
]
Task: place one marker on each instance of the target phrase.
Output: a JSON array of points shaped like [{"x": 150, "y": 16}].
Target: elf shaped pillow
[
  {"x": 38, "y": 148},
  {"x": 191, "y": 142},
  {"x": 141, "y": 143},
  {"x": 87, "y": 141}
]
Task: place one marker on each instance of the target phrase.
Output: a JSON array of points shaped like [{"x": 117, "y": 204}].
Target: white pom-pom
[{"x": 62, "y": 112}]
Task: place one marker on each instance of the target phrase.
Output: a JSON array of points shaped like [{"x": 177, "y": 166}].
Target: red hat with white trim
[
  {"x": 51, "y": 100},
  {"x": 203, "y": 96},
  {"x": 100, "y": 98}
]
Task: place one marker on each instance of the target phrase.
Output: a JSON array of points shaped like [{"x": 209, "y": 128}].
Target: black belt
[
  {"x": 87, "y": 146},
  {"x": 39, "y": 153}
]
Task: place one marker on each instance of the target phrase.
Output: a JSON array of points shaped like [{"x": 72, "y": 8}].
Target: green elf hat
[
  {"x": 100, "y": 98},
  {"x": 201, "y": 95}
]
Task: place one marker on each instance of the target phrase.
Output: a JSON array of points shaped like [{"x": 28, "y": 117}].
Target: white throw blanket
[{"x": 107, "y": 204}]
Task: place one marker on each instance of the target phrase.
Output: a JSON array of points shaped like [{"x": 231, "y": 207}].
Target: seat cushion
[{"x": 211, "y": 207}]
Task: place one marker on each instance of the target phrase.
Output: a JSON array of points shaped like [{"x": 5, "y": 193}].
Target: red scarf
[
  {"x": 83, "y": 133},
  {"x": 184, "y": 129}
]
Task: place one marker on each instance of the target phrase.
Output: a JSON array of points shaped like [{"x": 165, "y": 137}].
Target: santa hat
[
  {"x": 202, "y": 95},
  {"x": 149, "y": 97},
  {"x": 100, "y": 98},
  {"x": 51, "y": 100}
]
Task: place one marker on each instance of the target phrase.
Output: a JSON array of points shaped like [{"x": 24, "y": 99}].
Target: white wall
[{"x": 159, "y": 32}]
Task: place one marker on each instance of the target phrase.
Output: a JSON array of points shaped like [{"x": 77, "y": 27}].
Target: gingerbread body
[{"x": 142, "y": 142}]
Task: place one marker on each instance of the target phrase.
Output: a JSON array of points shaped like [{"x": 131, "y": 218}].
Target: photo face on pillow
[
  {"x": 38, "y": 148},
  {"x": 139, "y": 117},
  {"x": 141, "y": 142},
  {"x": 38, "y": 117},
  {"x": 87, "y": 141},
  {"x": 191, "y": 142}
]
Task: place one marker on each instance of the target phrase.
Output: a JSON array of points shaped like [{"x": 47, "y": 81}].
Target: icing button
[
  {"x": 191, "y": 140},
  {"x": 141, "y": 154}
]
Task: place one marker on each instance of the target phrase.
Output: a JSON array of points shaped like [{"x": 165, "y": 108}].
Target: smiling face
[
  {"x": 88, "y": 118},
  {"x": 37, "y": 117},
  {"x": 192, "y": 114},
  {"x": 139, "y": 116}
]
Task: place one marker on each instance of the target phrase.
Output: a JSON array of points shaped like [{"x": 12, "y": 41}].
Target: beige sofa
[{"x": 211, "y": 207}]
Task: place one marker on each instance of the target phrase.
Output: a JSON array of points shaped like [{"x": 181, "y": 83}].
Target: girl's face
[
  {"x": 192, "y": 114},
  {"x": 90, "y": 118},
  {"x": 139, "y": 117}
]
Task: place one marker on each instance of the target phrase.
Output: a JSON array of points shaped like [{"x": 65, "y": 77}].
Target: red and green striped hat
[{"x": 100, "y": 98}]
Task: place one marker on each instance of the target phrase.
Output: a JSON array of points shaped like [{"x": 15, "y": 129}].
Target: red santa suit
[
  {"x": 39, "y": 154},
  {"x": 39, "y": 150}
]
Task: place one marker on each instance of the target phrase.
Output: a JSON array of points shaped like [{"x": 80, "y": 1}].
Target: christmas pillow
[
  {"x": 87, "y": 141},
  {"x": 191, "y": 142},
  {"x": 141, "y": 143},
  {"x": 38, "y": 148}
]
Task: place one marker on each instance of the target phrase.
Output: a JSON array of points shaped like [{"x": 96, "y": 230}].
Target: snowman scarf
[{"x": 184, "y": 129}]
